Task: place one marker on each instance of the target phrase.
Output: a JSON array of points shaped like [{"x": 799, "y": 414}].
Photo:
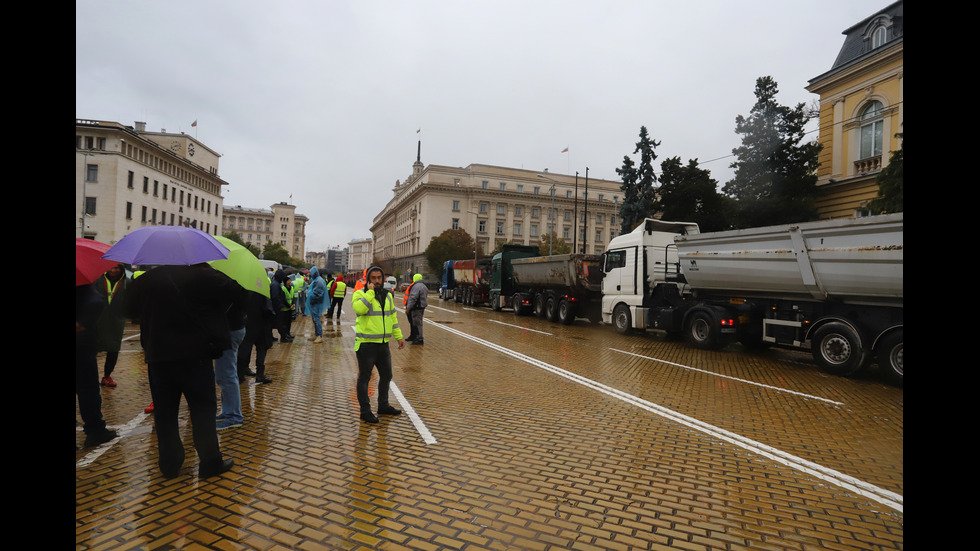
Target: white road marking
[
  {"x": 443, "y": 309},
  {"x": 746, "y": 381},
  {"x": 122, "y": 431},
  {"x": 519, "y": 327},
  {"x": 870, "y": 491},
  {"x": 410, "y": 411}
]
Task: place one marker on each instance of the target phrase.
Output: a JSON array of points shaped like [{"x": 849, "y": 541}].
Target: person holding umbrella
[
  {"x": 182, "y": 308},
  {"x": 89, "y": 265}
]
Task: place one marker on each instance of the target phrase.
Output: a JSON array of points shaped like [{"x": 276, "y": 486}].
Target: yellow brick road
[{"x": 525, "y": 435}]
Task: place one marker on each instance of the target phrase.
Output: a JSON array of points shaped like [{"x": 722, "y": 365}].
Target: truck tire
[
  {"x": 891, "y": 357},
  {"x": 516, "y": 303},
  {"x": 838, "y": 349},
  {"x": 703, "y": 332},
  {"x": 539, "y": 306},
  {"x": 551, "y": 307},
  {"x": 622, "y": 319},
  {"x": 495, "y": 302},
  {"x": 566, "y": 312}
]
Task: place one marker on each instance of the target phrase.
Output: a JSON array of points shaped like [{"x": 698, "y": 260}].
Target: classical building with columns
[
  {"x": 495, "y": 205},
  {"x": 127, "y": 177},
  {"x": 278, "y": 224}
]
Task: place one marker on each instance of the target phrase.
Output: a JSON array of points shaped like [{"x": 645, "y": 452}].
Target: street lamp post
[{"x": 551, "y": 238}]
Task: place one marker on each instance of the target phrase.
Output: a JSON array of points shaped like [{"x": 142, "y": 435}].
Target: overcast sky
[{"x": 325, "y": 101}]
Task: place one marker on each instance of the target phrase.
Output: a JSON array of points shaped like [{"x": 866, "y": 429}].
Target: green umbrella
[{"x": 242, "y": 266}]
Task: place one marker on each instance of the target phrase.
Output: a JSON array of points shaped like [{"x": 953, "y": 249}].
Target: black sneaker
[
  {"x": 100, "y": 438},
  {"x": 369, "y": 417},
  {"x": 225, "y": 466},
  {"x": 262, "y": 380},
  {"x": 388, "y": 410}
]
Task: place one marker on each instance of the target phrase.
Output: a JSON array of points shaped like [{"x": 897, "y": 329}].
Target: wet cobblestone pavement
[{"x": 518, "y": 434}]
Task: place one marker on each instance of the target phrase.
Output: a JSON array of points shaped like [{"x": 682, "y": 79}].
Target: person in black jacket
[
  {"x": 183, "y": 328},
  {"x": 88, "y": 306},
  {"x": 258, "y": 335}
]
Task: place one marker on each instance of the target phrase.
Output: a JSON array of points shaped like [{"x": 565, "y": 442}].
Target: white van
[
  {"x": 391, "y": 283},
  {"x": 271, "y": 265}
]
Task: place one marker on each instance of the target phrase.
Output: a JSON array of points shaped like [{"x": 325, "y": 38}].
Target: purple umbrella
[{"x": 171, "y": 245}]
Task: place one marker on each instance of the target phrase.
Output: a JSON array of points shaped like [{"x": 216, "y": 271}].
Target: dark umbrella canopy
[
  {"x": 167, "y": 245},
  {"x": 89, "y": 264}
]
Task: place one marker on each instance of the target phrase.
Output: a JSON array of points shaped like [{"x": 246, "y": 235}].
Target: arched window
[
  {"x": 871, "y": 129},
  {"x": 879, "y": 36}
]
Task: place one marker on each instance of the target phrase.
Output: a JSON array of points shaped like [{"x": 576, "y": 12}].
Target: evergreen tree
[
  {"x": 891, "y": 183},
  {"x": 775, "y": 174},
  {"x": 690, "y": 194},
  {"x": 638, "y": 182}
]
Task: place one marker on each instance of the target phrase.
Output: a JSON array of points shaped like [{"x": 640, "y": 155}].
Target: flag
[
  {"x": 564, "y": 150},
  {"x": 418, "y": 131},
  {"x": 193, "y": 124}
]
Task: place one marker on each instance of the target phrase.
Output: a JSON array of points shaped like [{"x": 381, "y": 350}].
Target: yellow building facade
[{"x": 861, "y": 111}]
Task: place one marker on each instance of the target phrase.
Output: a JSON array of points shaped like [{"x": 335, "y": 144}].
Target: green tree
[
  {"x": 690, "y": 194},
  {"x": 638, "y": 182},
  {"x": 237, "y": 238},
  {"x": 561, "y": 246},
  {"x": 775, "y": 172},
  {"x": 891, "y": 184},
  {"x": 275, "y": 251},
  {"x": 448, "y": 245}
]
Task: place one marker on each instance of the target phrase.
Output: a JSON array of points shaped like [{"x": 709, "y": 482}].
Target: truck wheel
[
  {"x": 622, "y": 319},
  {"x": 838, "y": 349},
  {"x": 566, "y": 312},
  {"x": 495, "y": 302},
  {"x": 551, "y": 308},
  {"x": 515, "y": 301},
  {"x": 702, "y": 331},
  {"x": 539, "y": 305},
  {"x": 891, "y": 357}
]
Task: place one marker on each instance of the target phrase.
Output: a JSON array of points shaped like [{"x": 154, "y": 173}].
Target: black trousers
[
  {"x": 369, "y": 356},
  {"x": 245, "y": 354},
  {"x": 87, "y": 389},
  {"x": 194, "y": 380},
  {"x": 335, "y": 302}
]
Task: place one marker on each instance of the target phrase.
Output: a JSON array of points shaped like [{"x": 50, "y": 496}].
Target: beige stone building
[
  {"x": 360, "y": 252},
  {"x": 862, "y": 108},
  {"x": 127, "y": 177},
  {"x": 495, "y": 205},
  {"x": 278, "y": 224}
]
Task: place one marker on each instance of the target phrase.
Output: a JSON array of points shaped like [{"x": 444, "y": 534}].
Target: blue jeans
[{"x": 226, "y": 376}]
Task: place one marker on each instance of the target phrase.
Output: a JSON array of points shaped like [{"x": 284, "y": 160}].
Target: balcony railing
[{"x": 871, "y": 164}]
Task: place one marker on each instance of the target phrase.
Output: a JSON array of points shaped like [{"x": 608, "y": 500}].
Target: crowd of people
[{"x": 199, "y": 329}]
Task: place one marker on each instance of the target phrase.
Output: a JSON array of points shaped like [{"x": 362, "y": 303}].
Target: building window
[
  {"x": 871, "y": 130},
  {"x": 534, "y": 230},
  {"x": 566, "y": 233},
  {"x": 156, "y": 188},
  {"x": 456, "y": 206},
  {"x": 500, "y": 228},
  {"x": 537, "y": 190},
  {"x": 90, "y": 206},
  {"x": 598, "y": 219},
  {"x": 600, "y": 197},
  {"x": 129, "y": 180},
  {"x": 568, "y": 216},
  {"x": 143, "y": 217},
  {"x": 484, "y": 207},
  {"x": 485, "y": 184},
  {"x": 455, "y": 223},
  {"x": 146, "y": 184},
  {"x": 503, "y": 186},
  {"x": 129, "y": 210},
  {"x": 483, "y": 226},
  {"x": 91, "y": 173},
  {"x": 534, "y": 212},
  {"x": 518, "y": 211},
  {"x": 520, "y": 188},
  {"x": 517, "y": 228},
  {"x": 879, "y": 36},
  {"x": 501, "y": 209}
]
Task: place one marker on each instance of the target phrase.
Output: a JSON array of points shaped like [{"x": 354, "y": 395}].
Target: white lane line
[
  {"x": 482, "y": 311},
  {"x": 519, "y": 327},
  {"x": 870, "y": 491},
  {"x": 443, "y": 309},
  {"x": 746, "y": 381},
  {"x": 410, "y": 411},
  {"x": 122, "y": 431}
]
